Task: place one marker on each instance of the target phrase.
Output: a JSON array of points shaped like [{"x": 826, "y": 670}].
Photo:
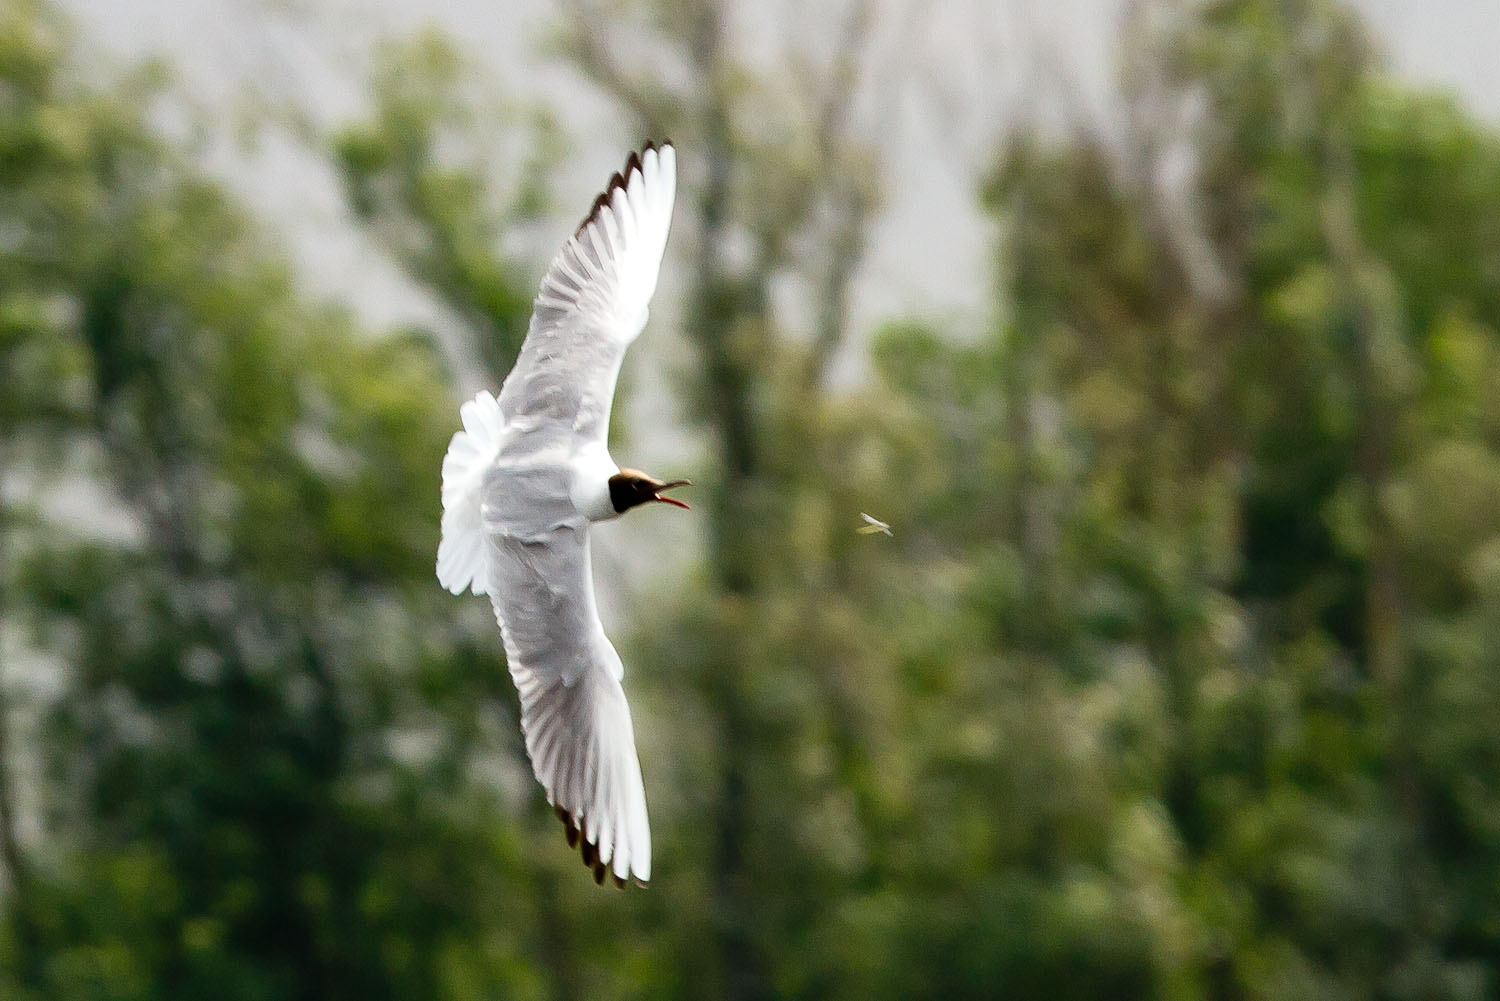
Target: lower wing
[{"x": 573, "y": 710}]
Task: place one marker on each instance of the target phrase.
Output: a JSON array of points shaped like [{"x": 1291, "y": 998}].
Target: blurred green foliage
[{"x": 1178, "y": 679}]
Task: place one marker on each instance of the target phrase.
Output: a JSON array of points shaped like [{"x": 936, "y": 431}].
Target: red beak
[{"x": 672, "y": 500}]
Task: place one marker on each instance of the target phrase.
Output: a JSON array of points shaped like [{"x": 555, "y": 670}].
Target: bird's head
[{"x": 630, "y": 487}]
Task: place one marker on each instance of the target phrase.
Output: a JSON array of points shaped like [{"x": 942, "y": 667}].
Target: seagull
[
  {"x": 873, "y": 525},
  {"x": 522, "y": 483}
]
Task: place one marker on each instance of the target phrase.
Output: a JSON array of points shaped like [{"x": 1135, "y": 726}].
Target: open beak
[{"x": 657, "y": 496}]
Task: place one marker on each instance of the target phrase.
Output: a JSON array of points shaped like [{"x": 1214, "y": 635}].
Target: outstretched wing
[
  {"x": 593, "y": 301},
  {"x": 573, "y": 710}
]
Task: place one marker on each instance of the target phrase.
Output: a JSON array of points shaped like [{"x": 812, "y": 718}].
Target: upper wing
[
  {"x": 593, "y": 301},
  {"x": 573, "y": 710}
]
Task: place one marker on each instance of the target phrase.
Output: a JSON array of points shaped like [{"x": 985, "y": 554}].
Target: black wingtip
[
  {"x": 568, "y": 825},
  {"x": 619, "y": 179},
  {"x": 590, "y": 852}
]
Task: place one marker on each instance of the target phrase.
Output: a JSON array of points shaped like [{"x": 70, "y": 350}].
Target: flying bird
[
  {"x": 873, "y": 525},
  {"x": 522, "y": 483}
]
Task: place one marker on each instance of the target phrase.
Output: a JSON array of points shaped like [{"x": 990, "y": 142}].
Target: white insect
[
  {"x": 873, "y": 525},
  {"x": 523, "y": 481}
]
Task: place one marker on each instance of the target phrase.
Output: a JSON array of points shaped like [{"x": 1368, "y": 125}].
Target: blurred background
[{"x": 1165, "y": 333}]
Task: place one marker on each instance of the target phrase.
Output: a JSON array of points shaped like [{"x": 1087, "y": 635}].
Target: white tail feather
[{"x": 461, "y": 559}]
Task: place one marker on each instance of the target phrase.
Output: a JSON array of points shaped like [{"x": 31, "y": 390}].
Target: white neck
[{"x": 589, "y": 490}]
